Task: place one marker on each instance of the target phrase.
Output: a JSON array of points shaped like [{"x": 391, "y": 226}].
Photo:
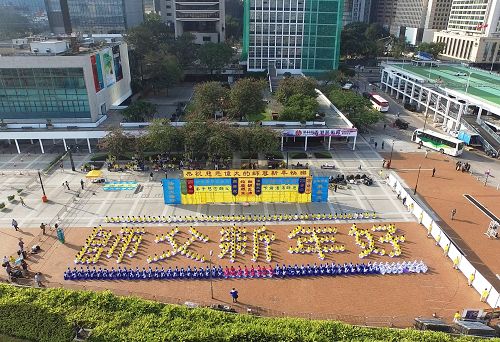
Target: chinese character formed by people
[
  {"x": 260, "y": 235},
  {"x": 233, "y": 240},
  {"x": 177, "y": 248},
  {"x": 318, "y": 240}
]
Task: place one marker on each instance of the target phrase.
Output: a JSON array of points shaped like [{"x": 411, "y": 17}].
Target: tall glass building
[
  {"x": 292, "y": 35},
  {"x": 94, "y": 16}
]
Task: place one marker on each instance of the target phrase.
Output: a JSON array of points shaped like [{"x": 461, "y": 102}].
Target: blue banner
[
  {"x": 258, "y": 186},
  {"x": 172, "y": 191},
  {"x": 319, "y": 189},
  {"x": 234, "y": 186}
]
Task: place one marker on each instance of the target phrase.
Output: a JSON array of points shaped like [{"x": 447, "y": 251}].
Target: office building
[
  {"x": 473, "y": 32},
  {"x": 417, "y": 20},
  {"x": 204, "y": 19},
  {"x": 166, "y": 9},
  {"x": 54, "y": 83},
  {"x": 356, "y": 11},
  {"x": 94, "y": 16},
  {"x": 27, "y": 7},
  {"x": 292, "y": 35},
  {"x": 383, "y": 12}
]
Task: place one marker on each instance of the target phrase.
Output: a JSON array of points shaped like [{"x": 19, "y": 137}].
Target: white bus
[
  {"x": 379, "y": 103},
  {"x": 439, "y": 142}
]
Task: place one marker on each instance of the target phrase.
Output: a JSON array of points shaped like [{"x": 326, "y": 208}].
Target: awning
[{"x": 94, "y": 174}]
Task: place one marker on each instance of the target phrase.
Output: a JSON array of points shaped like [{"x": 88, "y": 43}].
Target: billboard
[
  {"x": 117, "y": 61},
  {"x": 320, "y": 132},
  {"x": 95, "y": 61},
  {"x": 107, "y": 67}
]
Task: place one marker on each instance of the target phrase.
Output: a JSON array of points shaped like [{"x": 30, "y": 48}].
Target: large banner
[
  {"x": 244, "y": 173},
  {"x": 117, "y": 63},
  {"x": 318, "y": 132},
  {"x": 95, "y": 61}
]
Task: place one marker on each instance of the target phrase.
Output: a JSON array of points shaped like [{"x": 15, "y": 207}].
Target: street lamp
[
  {"x": 390, "y": 158},
  {"x": 425, "y": 122},
  {"x": 71, "y": 159},
  {"x": 418, "y": 176},
  {"x": 44, "y": 197},
  {"x": 211, "y": 282}
]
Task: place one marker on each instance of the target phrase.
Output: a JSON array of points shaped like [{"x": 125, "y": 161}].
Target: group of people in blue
[{"x": 218, "y": 272}]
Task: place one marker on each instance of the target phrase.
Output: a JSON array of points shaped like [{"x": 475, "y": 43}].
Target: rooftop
[{"x": 476, "y": 83}]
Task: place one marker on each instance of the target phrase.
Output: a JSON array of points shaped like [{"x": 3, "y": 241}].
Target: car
[
  {"x": 347, "y": 86},
  {"x": 401, "y": 124}
]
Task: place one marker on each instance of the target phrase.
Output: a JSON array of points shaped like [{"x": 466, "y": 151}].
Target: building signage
[
  {"x": 244, "y": 173},
  {"x": 318, "y": 132}
]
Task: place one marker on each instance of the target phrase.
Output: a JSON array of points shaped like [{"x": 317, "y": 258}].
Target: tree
[
  {"x": 362, "y": 40},
  {"x": 234, "y": 28},
  {"x": 163, "y": 137},
  {"x": 357, "y": 109},
  {"x": 258, "y": 139},
  {"x": 208, "y": 98},
  {"x": 185, "y": 49},
  {"x": 295, "y": 85},
  {"x": 223, "y": 141},
  {"x": 433, "y": 48},
  {"x": 139, "y": 111},
  {"x": 299, "y": 108},
  {"x": 117, "y": 142},
  {"x": 162, "y": 70},
  {"x": 333, "y": 76},
  {"x": 246, "y": 97},
  {"x": 214, "y": 56},
  {"x": 195, "y": 135}
]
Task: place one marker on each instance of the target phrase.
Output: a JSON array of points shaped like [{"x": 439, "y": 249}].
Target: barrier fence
[{"x": 480, "y": 283}]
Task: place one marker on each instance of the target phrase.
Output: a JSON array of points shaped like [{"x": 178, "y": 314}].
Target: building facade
[
  {"x": 204, "y": 19},
  {"x": 356, "y": 11},
  {"x": 94, "y": 16},
  {"x": 417, "y": 20},
  {"x": 383, "y": 12},
  {"x": 292, "y": 35},
  {"x": 77, "y": 88},
  {"x": 473, "y": 32}
]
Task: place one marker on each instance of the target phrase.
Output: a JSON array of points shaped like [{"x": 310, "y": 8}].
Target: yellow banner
[{"x": 189, "y": 174}]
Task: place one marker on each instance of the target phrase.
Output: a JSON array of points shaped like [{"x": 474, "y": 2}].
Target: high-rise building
[
  {"x": 417, "y": 20},
  {"x": 356, "y": 11},
  {"x": 204, "y": 19},
  {"x": 94, "y": 16},
  {"x": 383, "y": 12},
  {"x": 473, "y": 32},
  {"x": 24, "y": 6},
  {"x": 292, "y": 35}
]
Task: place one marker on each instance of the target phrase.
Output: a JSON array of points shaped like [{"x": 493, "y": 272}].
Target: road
[{"x": 402, "y": 138}]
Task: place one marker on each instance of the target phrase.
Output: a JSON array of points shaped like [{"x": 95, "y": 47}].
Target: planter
[{"x": 11, "y": 198}]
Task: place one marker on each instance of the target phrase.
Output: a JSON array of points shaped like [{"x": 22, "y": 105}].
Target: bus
[
  {"x": 379, "y": 103},
  {"x": 439, "y": 142}
]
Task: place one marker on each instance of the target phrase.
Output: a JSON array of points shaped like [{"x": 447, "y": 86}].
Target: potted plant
[
  {"x": 19, "y": 191},
  {"x": 11, "y": 198},
  {"x": 3, "y": 125},
  {"x": 2, "y": 205},
  {"x": 49, "y": 124}
]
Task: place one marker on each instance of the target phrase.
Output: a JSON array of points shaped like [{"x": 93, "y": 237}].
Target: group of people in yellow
[
  {"x": 233, "y": 239},
  {"x": 259, "y": 235},
  {"x": 313, "y": 240},
  {"x": 365, "y": 240},
  {"x": 182, "y": 249},
  {"x": 238, "y": 218}
]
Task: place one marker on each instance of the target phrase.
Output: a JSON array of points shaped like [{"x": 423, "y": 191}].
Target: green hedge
[{"x": 47, "y": 315}]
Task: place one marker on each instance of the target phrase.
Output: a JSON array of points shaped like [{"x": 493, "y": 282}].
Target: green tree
[
  {"x": 185, "y": 49},
  {"x": 299, "y": 108},
  {"x": 362, "y": 40},
  {"x": 162, "y": 70},
  {"x": 433, "y": 48},
  {"x": 139, "y": 111},
  {"x": 163, "y": 137},
  {"x": 208, "y": 98},
  {"x": 333, "y": 76},
  {"x": 214, "y": 56},
  {"x": 195, "y": 135},
  {"x": 223, "y": 141},
  {"x": 357, "y": 109},
  {"x": 258, "y": 139},
  {"x": 117, "y": 142},
  {"x": 234, "y": 28},
  {"x": 295, "y": 85},
  {"x": 246, "y": 97}
]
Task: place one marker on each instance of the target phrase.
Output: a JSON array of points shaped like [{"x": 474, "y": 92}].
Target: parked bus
[
  {"x": 379, "y": 103},
  {"x": 439, "y": 142}
]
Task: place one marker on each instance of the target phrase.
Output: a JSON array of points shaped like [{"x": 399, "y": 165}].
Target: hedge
[{"x": 48, "y": 315}]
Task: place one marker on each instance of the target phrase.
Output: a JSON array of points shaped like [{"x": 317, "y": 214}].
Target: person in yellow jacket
[
  {"x": 457, "y": 316},
  {"x": 471, "y": 279},
  {"x": 484, "y": 295}
]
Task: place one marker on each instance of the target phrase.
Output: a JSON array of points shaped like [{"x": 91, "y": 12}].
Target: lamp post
[
  {"x": 44, "y": 197},
  {"x": 211, "y": 282},
  {"x": 487, "y": 173},
  {"x": 390, "y": 158},
  {"x": 287, "y": 159},
  {"x": 71, "y": 159},
  {"x": 418, "y": 176},
  {"x": 425, "y": 122}
]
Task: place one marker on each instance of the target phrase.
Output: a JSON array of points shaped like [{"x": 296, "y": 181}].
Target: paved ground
[
  {"x": 444, "y": 193},
  {"x": 393, "y": 299}
]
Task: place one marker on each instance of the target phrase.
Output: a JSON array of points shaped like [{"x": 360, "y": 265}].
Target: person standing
[
  {"x": 151, "y": 175},
  {"x": 42, "y": 227},
  {"x": 484, "y": 295},
  {"x": 234, "y": 295},
  {"x": 382, "y": 144},
  {"x": 82, "y": 183},
  {"x": 38, "y": 279},
  {"x": 61, "y": 166},
  {"x": 335, "y": 187},
  {"x": 21, "y": 245},
  {"x": 67, "y": 185},
  {"x": 376, "y": 144},
  {"x": 22, "y": 201},
  {"x": 471, "y": 279},
  {"x": 426, "y": 153},
  {"x": 457, "y": 316},
  {"x": 433, "y": 171},
  {"x": 15, "y": 225},
  {"x": 453, "y": 212}
]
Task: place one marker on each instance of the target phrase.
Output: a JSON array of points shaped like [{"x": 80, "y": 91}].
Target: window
[{"x": 206, "y": 38}]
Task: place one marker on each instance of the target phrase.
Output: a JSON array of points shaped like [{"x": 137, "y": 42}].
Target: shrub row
[{"x": 48, "y": 315}]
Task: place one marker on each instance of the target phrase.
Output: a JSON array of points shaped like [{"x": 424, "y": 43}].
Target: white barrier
[{"x": 480, "y": 283}]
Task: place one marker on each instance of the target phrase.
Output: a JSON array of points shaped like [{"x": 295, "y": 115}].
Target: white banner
[{"x": 319, "y": 132}]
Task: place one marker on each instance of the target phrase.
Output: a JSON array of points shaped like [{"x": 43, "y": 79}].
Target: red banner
[{"x": 190, "y": 186}]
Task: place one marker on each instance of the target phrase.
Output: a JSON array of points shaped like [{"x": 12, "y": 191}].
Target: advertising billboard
[
  {"x": 107, "y": 67},
  {"x": 117, "y": 60},
  {"x": 95, "y": 61}
]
